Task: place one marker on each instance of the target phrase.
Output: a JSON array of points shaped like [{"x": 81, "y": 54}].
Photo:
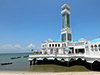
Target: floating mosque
[{"x": 67, "y": 51}]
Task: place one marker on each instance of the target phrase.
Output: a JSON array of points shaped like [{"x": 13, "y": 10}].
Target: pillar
[
  {"x": 91, "y": 67},
  {"x": 30, "y": 62},
  {"x": 34, "y": 61},
  {"x": 59, "y": 62},
  {"x": 68, "y": 64}
]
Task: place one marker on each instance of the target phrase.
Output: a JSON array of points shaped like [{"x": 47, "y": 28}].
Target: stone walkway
[{"x": 47, "y": 73}]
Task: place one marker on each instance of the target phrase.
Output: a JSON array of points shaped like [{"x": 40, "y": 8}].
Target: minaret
[{"x": 66, "y": 30}]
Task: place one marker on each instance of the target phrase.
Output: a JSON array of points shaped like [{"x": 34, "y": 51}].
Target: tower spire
[
  {"x": 65, "y": 16},
  {"x": 66, "y": 30}
]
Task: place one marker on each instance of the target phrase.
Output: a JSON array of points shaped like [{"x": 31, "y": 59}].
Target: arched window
[
  {"x": 49, "y": 45},
  {"x": 52, "y": 45},
  {"x": 95, "y": 47},
  {"x": 92, "y": 47},
  {"x": 51, "y": 51},
  {"x": 58, "y": 45},
  {"x": 99, "y": 47},
  {"x": 55, "y": 45}
]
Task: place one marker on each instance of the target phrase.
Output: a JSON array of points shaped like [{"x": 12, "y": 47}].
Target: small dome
[
  {"x": 49, "y": 40},
  {"x": 95, "y": 40}
]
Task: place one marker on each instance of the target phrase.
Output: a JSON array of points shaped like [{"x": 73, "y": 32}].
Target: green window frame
[
  {"x": 63, "y": 37},
  {"x": 68, "y": 20},
  {"x": 63, "y": 20},
  {"x": 69, "y": 36}
]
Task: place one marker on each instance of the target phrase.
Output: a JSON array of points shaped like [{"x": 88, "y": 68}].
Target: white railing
[
  {"x": 80, "y": 54},
  {"x": 76, "y": 44},
  {"x": 42, "y": 55},
  {"x": 56, "y": 55},
  {"x": 70, "y": 44},
  {"x": 79, "y": 43}
]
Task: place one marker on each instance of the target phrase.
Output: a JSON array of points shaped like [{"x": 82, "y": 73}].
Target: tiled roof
[
  {"x": 95, "y": 40},
  {"x": 74, "y": 40},
  {"x": 58, "y": 40}
]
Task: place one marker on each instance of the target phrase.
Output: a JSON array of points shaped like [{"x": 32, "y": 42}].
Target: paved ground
[{"x": 47, "y": 73}]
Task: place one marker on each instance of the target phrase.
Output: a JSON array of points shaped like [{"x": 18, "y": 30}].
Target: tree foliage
[
  {"x": 32, "y": 49},
  {"x": 45, "y": 52}
]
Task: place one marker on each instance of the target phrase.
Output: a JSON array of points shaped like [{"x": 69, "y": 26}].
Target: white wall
[{"x": 94, "y": 52}]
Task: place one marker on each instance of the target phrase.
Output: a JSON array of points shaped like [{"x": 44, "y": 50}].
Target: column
[
  {"x": 31, "y": 62},
  {"x": 91, "y": 67},
  {"x": 34, "y": 61},
  {"x": 68, "y": 64}
]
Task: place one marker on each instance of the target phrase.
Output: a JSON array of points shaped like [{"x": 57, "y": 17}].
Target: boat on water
[
  {"x": 6, "y": 63},
  {"x": 26, "y": 56},
  {"x": 16, "y": 57}
]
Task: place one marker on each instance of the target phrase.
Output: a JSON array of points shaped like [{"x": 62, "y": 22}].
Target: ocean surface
[{"x": 22, "y": 64}]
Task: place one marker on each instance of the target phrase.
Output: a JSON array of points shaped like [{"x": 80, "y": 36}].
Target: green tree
[
  {"x": 37, "y": 52},
  {"x": 32, "y": 50},
  {"x": 45, "y": 52}
]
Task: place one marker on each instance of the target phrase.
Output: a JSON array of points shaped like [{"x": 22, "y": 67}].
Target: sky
[{"x": 24, "y": 24}]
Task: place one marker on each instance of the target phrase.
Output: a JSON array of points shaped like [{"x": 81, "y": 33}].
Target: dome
[
  {"x": 95, "y": 40},
  {"x": 49, "y": 40}
]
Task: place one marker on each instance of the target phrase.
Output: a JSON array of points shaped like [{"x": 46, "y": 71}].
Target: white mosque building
[
  {"x": 67, "y": 45},
  {"x": 67, "y": 49}
]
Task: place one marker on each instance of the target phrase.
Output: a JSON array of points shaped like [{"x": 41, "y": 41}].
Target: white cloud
[
  {"x": 18, "y": 46},
  {"x": 30, "y": 46},
  {"x": 8, "y": 48},
  {"x": 11, "y": 49}
]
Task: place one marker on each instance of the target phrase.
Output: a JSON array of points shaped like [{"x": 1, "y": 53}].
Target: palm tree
[{"x": 32, "y": 50}]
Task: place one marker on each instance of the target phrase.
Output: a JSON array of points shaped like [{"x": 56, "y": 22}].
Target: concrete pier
[{"x": 65, "y": 60}]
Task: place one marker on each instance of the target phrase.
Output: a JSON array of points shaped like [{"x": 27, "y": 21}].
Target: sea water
[{"x": 22, "y": 64}]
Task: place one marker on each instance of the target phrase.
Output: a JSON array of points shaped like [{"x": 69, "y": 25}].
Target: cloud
[
  {"x": 11, "y": 49},
  {"x": 18, "y": 46},
  {"x": 31, "y": 46},
  {"x": 8, "y": 48}
]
